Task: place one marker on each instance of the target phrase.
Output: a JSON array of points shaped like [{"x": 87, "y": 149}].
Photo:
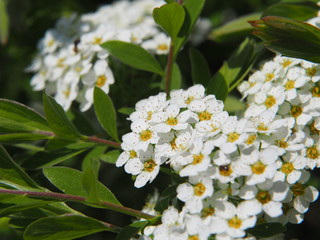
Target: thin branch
[
  {"x": 169, "y": 68},
  {"x": 86, "y": 138},
  {"x": 67, "y": 197}
]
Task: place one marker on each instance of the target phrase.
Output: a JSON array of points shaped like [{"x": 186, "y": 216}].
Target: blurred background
[{"x": 28, "y": 22}]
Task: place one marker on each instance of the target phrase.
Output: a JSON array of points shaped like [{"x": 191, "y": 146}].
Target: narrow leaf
[
  {"x": 299, "y": 11},
  {"x": 4, "y": 22},
  {"x": 234, "y": 30},
  {"x": 69, "y": 181},
  {"x": 129, "y": 231},
  {"x": 110, "y": 157},
  {"x": 105, "y": 112},
  {"x": 233, "y": 104},
  {"x": 16, "y": 117},
  {"x": 11, "y": 172},
  {"x": 170, "y": 17},
  {"x": 218, "y": 85},
  {"x": 48, "y": 159},
  {"x": 126, "y": 111},
  {"x": 89, "y": 180},
  {"x": 134, "y": 56},
  {"x": 22, "y": 137},
  {"x": 63, "y": 228},
  {"x": 57, "y": 119},
  {"x": 200, "y": 70}
]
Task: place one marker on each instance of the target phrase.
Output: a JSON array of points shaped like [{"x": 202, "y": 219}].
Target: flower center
[
  {"x": 296, "y": 111},
  {"x": 67, "y": 92},
  {"x": 235, "y": 222},
  {"x": 297, "y": 189},
  {"x": 172, "y": 121},
  {"x": 163, "y": 47},
  {"x": 287, "y": 168},
  {"x": 316, "y": 91},
  {"x": 50, "y": 43},
  {"x": 311, "y": 71},
  {"x": 199, "y": 189},
  {"x": 133, "y": 154},
  {"x": 149, "y": 165},
  {"x": 312, "y": 152},
  {"x": 204, "y": 116},
  {"x": 270, "y": 101},
  {"x": 258, "y": 168},
  {"x": 208, "y": 211},
  {"x": 232, "y": 137},
  {"x": 189, "y": 100},
  {"x": 97, "y": 40},
  {"x": 197, "y": 159},
  {"x": 290, "y": 84},
  {"x": 251, "y": 139},
  {"x": 269, "y": 77},
  {"x": 145, "y": 135},
  {"x": 225, "y": 170},
  {"x": 60, "y": 62},
  {"x": 286, "y": 63},
  {"x": 263, "y": 197},
  {"x": 262, "y": 127},
  {"x": 282, "y": 143},
  {"x": 101, "y": 80},
  {"x": 194, "y": 237},
  {"x": 314, "y": 129}
]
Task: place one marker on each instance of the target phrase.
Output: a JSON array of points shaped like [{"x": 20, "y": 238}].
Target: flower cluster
[
  {"x": 237, "y": 171},
  {"x": 71, "y": 61}
]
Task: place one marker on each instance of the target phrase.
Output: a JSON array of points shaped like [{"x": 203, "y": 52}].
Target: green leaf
[
  {"x": 233, "y": 104},
  {"x": 110, "y": 157},
  {"x": 4, "y": 22},
  {"x": 10, "y": 172},
  {"x": 266, "y": 230},
  {"x": 63, "y": 228},
  {"x": 16, "y": 117},
  {"x": 61, "y": 144},
  {"x": 170, "y": 17},
  {"x": 200, "y": 70},
  {"x": 134, "y": 56},
  {"x": 48, "y": 159},
  {"x": 289, "y": 37},
  {"x": 234, "y": 70},
  {"x": 69, "y": 181},
  {"x": 165, "y": 198},
  {"x": 192, "y": 12},
  {"x": 57, "y": 119},
  {"x": 218, "y": 84},
  {"x": 90, "y": 180},
  {"x": 300, "y": 11},
  {"x": 95, "y": 153},
  {"x": 126, "y": 111},
  {"x": 22, "y": 137},
  {"x": 105, "y": 112},
  {"x": 234, "y": 30},
  {"x": 22, "y": 207},
  {"x": 129, "y": 231}
]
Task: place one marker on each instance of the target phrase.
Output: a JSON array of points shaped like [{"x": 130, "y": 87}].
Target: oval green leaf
[
  {"x": 105, "y": 112},
  {"x": 133, "y": 55},
  {"x": 63, "y": 228},
  {"x": 200, "y": 70},
  {"x": 69, "y": 181},
  {"x": 16, "y": 117},
  {"x": 57, "y": 119},
  {"x": 170, "y": 17}
]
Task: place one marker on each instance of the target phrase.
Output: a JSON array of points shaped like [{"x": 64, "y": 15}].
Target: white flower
[
  {"x": 160, "y": 44},
  {"x": 184, "y": 97}
]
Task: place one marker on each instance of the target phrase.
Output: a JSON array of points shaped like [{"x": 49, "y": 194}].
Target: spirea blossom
[{"x": 71, "y": 62}]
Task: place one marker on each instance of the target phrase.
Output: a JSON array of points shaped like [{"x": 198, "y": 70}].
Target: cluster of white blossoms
[
  {"x": 237, "y": 172},
  {"x": 71, "y": 62}
]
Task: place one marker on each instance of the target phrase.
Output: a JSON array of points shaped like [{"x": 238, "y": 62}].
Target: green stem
[
  {"x": 67, "y": 197},
  {"x": 169, "y": 68}
]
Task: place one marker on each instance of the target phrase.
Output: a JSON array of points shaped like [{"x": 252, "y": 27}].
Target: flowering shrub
[{"x": 236, "y": 171}]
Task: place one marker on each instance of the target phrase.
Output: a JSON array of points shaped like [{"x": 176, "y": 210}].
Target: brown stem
[
  {"x": 86, "y": 138},
  {"x": 73, "y": 198},
  {"x": 180, "y": 2}
]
